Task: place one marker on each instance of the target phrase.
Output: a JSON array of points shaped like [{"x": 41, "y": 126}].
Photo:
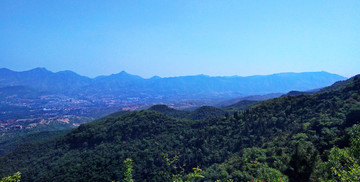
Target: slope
[{"x": 7, "y": 145}]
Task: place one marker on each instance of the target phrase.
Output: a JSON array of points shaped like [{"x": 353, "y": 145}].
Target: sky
[{"x": 177, "y": 38}]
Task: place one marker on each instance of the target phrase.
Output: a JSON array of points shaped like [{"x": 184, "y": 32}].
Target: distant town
[{"x": 27, "y": 113}]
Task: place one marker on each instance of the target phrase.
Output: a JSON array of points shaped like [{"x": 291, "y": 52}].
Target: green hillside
[
  {"x": 288, "y": 138},
  {"x": 202, "y": 112},
  {"x": 7, "y": 145},
  {"x": 170, "y": 111}
]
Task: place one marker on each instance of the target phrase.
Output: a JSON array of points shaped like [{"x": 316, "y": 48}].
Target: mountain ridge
[
  {"x": 123, "y": 72},
  {"x": 124, "y": 86}
]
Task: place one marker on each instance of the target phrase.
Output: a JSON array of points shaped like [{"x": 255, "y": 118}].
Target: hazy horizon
[
  {"x": 175, "y": 75},
  {"x": 175, "y": 38}
]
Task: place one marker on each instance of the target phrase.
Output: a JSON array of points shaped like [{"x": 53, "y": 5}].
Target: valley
[{"x": 38, "y": 97}]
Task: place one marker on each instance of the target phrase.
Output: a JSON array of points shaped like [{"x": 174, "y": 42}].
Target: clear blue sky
[{"x": 172, "y": 38}]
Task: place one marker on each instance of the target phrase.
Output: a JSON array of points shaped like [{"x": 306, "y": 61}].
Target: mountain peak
[
  {"x": 39, "y": 70},
  {"x": 5, "y": 70},
  {"x": 124, "y": 74},
  {"x": 155, "y": 77},
  {"x": 67, "y": 72},
  {"x": 72, "y": 75},
  {"x": 202, "y": 75}
]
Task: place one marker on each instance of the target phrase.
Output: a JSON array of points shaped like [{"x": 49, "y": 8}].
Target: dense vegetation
[
  {"x": 6, "y": 145},
  {"x": 241, "y": 105},
  {"x": 296, "y": 138},
  {"x": 199, "y": 113}
]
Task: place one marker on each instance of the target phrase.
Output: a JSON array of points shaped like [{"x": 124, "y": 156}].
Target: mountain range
[{"x": 199, "y": 86}]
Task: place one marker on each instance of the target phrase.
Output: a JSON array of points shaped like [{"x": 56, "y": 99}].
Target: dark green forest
[{"x": 313, "y": 137}]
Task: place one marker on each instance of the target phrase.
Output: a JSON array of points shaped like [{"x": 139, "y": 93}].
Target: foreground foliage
[
  {"x": 14, "y": 178},
  {"x": 344, "y": 164}
]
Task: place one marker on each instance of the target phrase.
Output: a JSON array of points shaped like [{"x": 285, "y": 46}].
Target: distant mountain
[
  {"x": 18, "y": 91},
  {"x": 198, "y": 86},
  {"x": 44, "y": 80}
]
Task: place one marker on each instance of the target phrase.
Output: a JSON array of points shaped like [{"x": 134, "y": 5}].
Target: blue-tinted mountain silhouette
[{"x": 68, "y": 82}]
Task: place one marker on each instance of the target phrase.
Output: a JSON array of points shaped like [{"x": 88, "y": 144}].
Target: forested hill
[{"x": 289, "y": 138}]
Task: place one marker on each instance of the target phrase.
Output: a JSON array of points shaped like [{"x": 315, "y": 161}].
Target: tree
[
  {"x": 128, "y": 168},
  {"x": 345, "y": 163},
  {"x": 303, "y": 159},
  {"x": 14, "y": 178}
]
